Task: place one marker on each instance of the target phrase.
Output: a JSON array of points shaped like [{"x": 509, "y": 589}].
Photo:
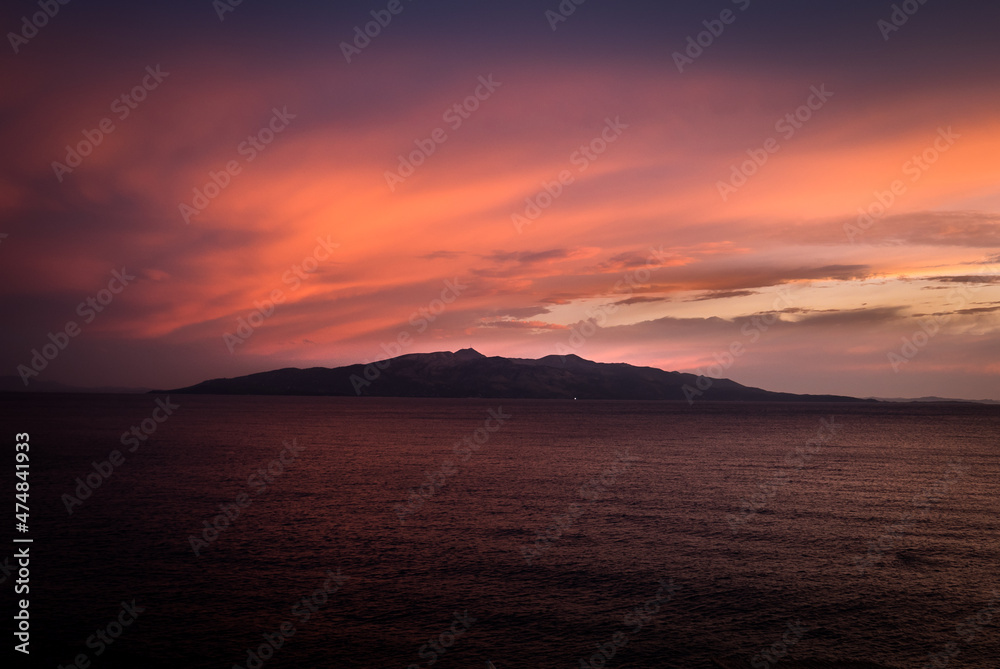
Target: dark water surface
[{"x": 877, "y": 538}]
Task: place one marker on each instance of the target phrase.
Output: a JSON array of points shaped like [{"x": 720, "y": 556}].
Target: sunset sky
[{"x": 641, "y": 238}]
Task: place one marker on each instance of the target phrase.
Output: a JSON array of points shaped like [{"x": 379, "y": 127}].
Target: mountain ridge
[{"x": 467, "y": 373}]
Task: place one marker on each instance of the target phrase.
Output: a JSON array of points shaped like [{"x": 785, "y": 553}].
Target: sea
[{"x": 315, "y": 532}]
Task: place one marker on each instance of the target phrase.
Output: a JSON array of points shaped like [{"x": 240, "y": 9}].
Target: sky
[{"x": 797, "y": 196}]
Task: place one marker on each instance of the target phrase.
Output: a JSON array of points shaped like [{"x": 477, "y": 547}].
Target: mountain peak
[
  {"x": 564, "y": 360},
  {"x": 468, "y": 354}
]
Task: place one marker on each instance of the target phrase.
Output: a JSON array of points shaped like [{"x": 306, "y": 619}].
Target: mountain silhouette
[{"x": 468, "y": 373}]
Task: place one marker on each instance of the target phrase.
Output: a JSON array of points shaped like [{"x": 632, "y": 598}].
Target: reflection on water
[{"x": 545, "y": 539}]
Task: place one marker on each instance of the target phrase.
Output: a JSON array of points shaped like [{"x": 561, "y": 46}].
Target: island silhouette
[{"x": 468, "y": 373}]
